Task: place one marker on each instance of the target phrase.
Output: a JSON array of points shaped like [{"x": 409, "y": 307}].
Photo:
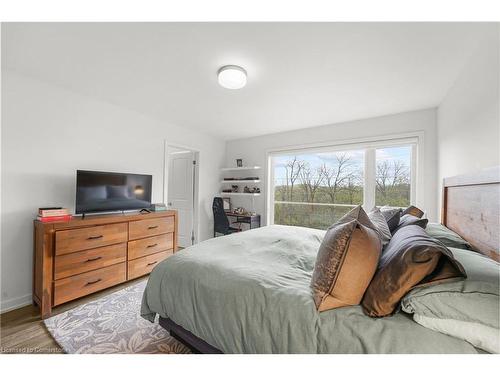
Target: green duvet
[{"x": 249, "y": 293}]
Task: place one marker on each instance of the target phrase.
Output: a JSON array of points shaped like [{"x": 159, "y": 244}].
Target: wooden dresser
[{"x": 82, "y": 256}]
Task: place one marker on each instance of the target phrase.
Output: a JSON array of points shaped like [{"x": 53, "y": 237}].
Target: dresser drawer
[
  {"x": 150, "y": 227},
  {"x": 144, "y": 265},
  {"x": 150, "y": 245},
  {"x": 77, "y": 286},
  {"x": 88, "y": 260},
  {"x": 72, "y": 240}
]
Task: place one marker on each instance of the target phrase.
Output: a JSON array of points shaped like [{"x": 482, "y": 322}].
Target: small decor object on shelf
[
  {"x": 253, "y": 190},
  {"x": 227, "y": 190},
  {"x": 158, "y": 207},
  {"x": 50, "y": 214},
  {"x": 239, "y": 163},
  {"x": 239, "y": 211},
  {"x": 226, "y": 202},
  {"x": 234, "y": 188}
]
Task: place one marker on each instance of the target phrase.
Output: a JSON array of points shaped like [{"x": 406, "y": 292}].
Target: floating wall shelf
[
  {"x": 239, "y": 181},
  {"x": 249, "y": 194},
  {"x": 240, "y": 168}
]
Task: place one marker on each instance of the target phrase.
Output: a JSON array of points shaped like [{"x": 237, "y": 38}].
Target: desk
[{"x": 252, "y": 220}]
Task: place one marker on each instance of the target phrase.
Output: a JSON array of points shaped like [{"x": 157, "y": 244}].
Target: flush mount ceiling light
[{"x": 232, "y": 77}]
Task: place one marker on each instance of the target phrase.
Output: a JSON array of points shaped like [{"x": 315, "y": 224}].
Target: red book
[{"x": 54, "y": 218}]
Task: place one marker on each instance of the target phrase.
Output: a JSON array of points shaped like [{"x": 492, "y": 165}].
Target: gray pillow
[
  {"x": 474, "y": 301},
  {"x": 381, "y": 226},
  {"x": 447, "y": 236},
  {"x": 392, "y": 216},
  {"x": 408, "y": 219}
]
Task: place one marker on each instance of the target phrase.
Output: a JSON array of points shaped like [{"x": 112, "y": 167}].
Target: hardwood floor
[{"x": 22, "y": 330}]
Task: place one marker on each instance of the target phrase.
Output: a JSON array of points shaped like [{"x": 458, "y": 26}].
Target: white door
[{"x": 181, "y": 191}]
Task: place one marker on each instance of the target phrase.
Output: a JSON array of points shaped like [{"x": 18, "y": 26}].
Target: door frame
[{"x": 196, "y": 183}]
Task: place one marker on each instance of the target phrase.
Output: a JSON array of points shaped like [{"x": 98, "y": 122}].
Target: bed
[{"x": 250, "y": 292}]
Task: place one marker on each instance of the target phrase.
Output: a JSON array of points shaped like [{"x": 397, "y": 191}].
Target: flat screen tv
[{"x": 108, "y": 191}]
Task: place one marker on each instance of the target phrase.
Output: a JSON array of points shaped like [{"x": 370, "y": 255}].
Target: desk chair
[{"x": 221, "y": 222}]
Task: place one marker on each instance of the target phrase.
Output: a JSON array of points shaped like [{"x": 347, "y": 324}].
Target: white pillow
[{"x": 479, "y": 335}]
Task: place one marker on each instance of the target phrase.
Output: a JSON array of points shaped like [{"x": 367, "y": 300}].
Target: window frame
[{"x": 369, "y": 145}]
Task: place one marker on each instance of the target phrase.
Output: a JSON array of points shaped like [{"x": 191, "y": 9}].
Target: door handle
[
  {"x": 153, "y": 245},
  {"x": 92, "y": 259},
  {"x": 95, "y": 237},
  {"x": 150, "y": 264}
]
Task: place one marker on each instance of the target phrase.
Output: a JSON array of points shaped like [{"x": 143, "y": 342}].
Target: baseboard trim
[{"x": 15, "y": 303}]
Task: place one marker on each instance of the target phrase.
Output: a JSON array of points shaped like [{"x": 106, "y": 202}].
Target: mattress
[{"x": 249, "y": 293}]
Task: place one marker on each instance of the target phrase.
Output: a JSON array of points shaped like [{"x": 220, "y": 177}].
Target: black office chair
[{"x": 221, "y": 222}]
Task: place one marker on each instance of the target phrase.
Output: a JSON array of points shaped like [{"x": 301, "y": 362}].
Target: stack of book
[{"x": 49, "y": 214}]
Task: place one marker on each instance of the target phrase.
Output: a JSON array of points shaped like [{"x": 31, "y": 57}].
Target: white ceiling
[{"x": 299, "y": 74}]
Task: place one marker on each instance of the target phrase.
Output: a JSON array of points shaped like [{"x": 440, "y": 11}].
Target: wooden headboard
[{"x": 471, "y": 208}]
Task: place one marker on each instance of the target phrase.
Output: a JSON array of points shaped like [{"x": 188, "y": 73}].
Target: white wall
[
  {"x": 48, "y": 133},
  {"x": 253, "y": 150},
  {"x": 468, "y": 118}
]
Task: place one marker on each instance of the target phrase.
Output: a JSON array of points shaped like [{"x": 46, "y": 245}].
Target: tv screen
[{"x": 108, "y": 191}]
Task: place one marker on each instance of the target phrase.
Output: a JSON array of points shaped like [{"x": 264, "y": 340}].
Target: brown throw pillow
[
  {"x": 414, "y": 211},
  {"x": 392, "y": 216},
  {"x": 378, "y": 220},
  {"x": 411, "y": 258},
  {"x": 346, "y": 261}
]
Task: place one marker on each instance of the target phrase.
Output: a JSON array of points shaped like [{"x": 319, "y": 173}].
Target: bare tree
[
  {"x": 353, "y": 181},
  {"x": 390, "y": 175},
  {"x": 281, "y": 190},
  {"x": 311, "y": 180},
  {"x": 337, "y": 176},
  {"x": 383, "y": 176},
  {"x": 401, "y": 174},
  {"x": 334, "y": 177},
  {"x": 292, "y": 171}
]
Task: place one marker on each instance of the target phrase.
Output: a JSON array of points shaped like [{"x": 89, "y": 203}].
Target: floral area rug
[{"x": 112, "y": 325}]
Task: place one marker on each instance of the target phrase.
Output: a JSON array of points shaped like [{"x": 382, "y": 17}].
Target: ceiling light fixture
[{"x": 232, "y": 77}]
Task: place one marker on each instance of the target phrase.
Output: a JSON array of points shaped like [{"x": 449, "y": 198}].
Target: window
[{"x": 314, "y": 188}]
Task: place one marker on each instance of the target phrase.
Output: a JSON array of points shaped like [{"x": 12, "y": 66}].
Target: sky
[{"x": 316, "y": 159}]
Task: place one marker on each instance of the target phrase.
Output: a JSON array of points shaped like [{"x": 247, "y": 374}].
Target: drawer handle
[
  {"x": 153, "y": 245},
  {"x": 153, "y": 227},
  {"x": 93, "y": 282},
  {"x": 92, "y": 259},
  {"x": 95, "y": 237},
  {"x": 150, "y": 264}
]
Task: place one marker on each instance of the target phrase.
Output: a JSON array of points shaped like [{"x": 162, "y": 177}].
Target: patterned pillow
[
  {"x": 346, "y": 261},
  {"x": 380, "y": 223},
  {"x": 392, "y": 216}
]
